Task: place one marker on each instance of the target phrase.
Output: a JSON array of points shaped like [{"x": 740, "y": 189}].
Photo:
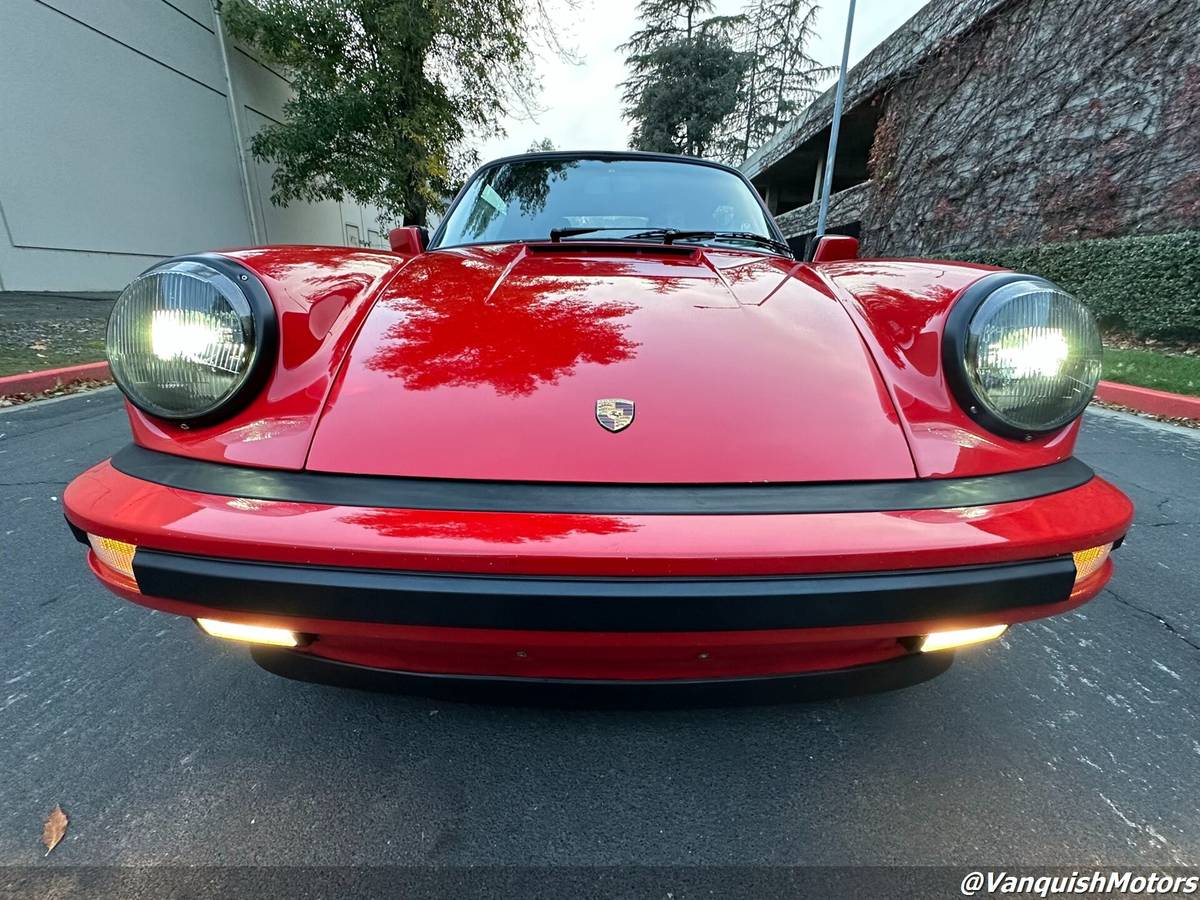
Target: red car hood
[{"x": 486, "y": 363}]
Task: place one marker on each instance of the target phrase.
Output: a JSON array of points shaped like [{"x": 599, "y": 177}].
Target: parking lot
[{"x": 1070, "y": 741}]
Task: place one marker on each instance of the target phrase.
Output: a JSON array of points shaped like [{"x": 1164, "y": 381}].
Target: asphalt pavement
[{"x": 1071, "y": 741}]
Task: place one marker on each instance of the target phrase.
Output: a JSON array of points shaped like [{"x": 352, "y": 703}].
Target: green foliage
[
  {"x": 780, "y": 79},
  {"x": 1149, "y": 285},
  {"x": 720, "y": 85},
  {"x": 684, "y": 76},
  {"x": 1176, "y": 373},
  {"x": 693, "y": 89},
  {"x": 666, "y": 21},
  {"x": 385, "y": 92}
]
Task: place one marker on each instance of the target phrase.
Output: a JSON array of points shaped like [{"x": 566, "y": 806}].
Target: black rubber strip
[
  {"x": 625, "y": 604},
  {"x": 596, "y": 499},
  {"x": 900, "y": 672},
  {"x": 79, "y": 533}
]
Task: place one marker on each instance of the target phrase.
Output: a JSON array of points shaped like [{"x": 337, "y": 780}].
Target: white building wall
[{"x": 116, "y": 147}]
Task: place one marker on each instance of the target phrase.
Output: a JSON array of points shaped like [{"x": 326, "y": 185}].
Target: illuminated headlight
[
  {"x": 1022, "y": 356},
  {"x": 185, "y": 338}
]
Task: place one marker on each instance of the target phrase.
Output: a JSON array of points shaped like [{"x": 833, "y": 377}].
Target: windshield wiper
[
  {"x": 700, "y": 234},
  {"x": 670, "y": 235},
  {"x": 557, "y": 234}
]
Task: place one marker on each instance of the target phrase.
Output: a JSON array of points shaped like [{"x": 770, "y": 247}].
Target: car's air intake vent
[{"x": 612, "y": 248}]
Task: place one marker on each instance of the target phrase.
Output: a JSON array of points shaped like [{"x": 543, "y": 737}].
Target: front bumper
[{"x": 604, "y": 596}]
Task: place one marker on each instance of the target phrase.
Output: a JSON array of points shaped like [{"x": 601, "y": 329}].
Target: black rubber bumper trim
[
  {"x": 596, "y": 499},
  {"x": 602, "y": 604},
  {"x": 899, "y": 672},
  {"x": 79, "y": 534}
]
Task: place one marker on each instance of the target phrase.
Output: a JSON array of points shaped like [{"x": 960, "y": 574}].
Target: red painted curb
[
  {"x": 48, "y": 379},
  {"x": 1157, "y": 403}
]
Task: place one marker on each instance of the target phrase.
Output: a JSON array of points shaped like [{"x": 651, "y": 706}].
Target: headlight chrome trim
[
  {"x": 262, "y": 354},
  {"x": 955, "y": 347}
]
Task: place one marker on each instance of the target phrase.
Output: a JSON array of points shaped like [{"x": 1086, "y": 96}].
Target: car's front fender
[{"x": 901, "y": 308}]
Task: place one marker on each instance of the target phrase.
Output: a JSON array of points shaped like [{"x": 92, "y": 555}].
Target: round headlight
[
  {"x": 185, "y": 338},
  {"x": 1022, "y": 355}
]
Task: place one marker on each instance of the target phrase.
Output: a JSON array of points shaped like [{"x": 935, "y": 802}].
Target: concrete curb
[
  {"x": 1157, "y": 403},
  {"x": 49, "y": 379}
]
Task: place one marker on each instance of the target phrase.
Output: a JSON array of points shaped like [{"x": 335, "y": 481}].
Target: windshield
[{"x": 524, "y": 200}]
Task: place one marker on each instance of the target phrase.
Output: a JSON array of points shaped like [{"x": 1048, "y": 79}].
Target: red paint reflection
[
  {"x": 910, "y": 321},
  {"x": 466, "y": 332},
  {"x": 489, "y": 527}
]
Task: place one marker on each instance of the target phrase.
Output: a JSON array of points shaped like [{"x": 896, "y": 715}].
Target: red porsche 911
[{"x": 600, "y": 435}]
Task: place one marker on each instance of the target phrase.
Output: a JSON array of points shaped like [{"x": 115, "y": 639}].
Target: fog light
[
  {"x": 944, "y": 640},
  {"x": 1088, "y": 562},
  {"x": 255, "y": 634},
  {"x": 117, "y": 555}
]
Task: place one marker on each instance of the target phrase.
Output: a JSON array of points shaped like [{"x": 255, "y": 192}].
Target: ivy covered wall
[{"x": 1049, "y": 121}]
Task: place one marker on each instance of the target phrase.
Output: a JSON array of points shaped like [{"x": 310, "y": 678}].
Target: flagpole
[{"x": 839, "y": 97}]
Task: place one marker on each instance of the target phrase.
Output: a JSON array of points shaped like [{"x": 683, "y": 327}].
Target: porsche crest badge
[{"x": 614, "y": 414}]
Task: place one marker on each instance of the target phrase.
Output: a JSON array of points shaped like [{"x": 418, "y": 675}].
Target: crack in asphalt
[
  {"x": 1159, "y": 509},
  {"x": 1165, "y": 623},
  {"x": 1124, "y": 481}
]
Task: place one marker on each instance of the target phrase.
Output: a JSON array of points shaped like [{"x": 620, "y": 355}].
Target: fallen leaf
[
  {"x": 54, "y": 829},
  {"x": 39, "y": 345}
]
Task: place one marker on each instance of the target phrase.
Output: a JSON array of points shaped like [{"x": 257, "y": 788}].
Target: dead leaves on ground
[
  {"x": 55, "y": 828},
  {"x": 72, "y": 387}
]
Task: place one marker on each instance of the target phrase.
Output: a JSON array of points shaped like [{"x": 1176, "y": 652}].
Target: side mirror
[
  {"x": 835, "y": 248},
  {"x": 407, "y": 239}
]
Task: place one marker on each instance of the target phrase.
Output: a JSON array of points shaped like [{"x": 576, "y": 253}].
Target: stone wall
[
  {"x": 1050, "y": 120},
  {"x": 935, "y": 24}
]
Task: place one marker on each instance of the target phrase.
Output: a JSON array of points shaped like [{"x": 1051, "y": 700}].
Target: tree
[
  {"x": 386, "y": 92},
  {"x": 780, "y": 79},
  {"x": 684, "y": 75}
]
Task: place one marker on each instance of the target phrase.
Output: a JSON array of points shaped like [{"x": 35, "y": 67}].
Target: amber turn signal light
[
  {"x": 1088, "y": 562},
  {"x": 944, "y": 640},
  {"x": 253, "y": 634},
  {"x": 116, "y": 555}
]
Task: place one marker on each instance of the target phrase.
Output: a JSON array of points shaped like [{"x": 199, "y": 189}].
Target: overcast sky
[{"x": 582, "y": 103}]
